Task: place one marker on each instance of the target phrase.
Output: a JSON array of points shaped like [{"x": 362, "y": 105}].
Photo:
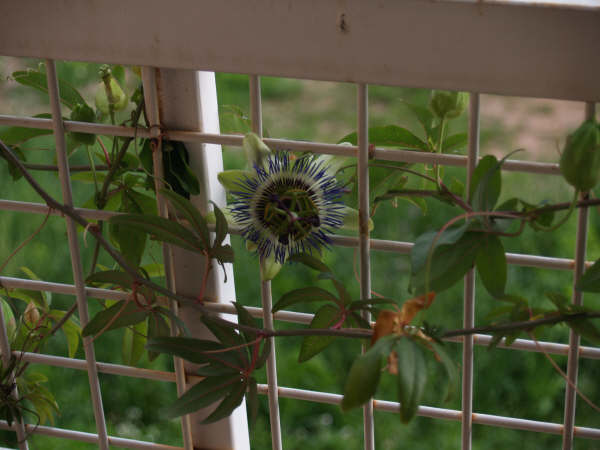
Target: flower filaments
[{"x": 288, "y": 207}]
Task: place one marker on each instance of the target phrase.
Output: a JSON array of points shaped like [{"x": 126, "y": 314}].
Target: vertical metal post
[
  {"x": 577, "y": 299},
  {"x": 265, "y": 290},
  {"x": 364, "y": 241},
  {"x": 469, "y": 288},
  {"x": 153, "y": 117},
  {"x": 188, "y": 100},
  {"x": 65, "y": 181}
]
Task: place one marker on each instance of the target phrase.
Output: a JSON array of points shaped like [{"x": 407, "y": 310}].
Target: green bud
[
  {"x": 580, "y": 159},
  {"x": 256, "y": 150},
  {"x": 83, "y": 113},
  {"x": 9, "y": 318},
  {"x": 448, "y": 104},
  {"x": 269, "y": 268},
  {"x": 115, "y": 98}
]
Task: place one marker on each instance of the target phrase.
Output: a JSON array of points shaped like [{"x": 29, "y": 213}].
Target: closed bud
[
  {"x": 108, "y": 94},
  {"x": 448, "y": 104},
  {"x": 580, "y": 159},
  {"x": 31, "y": 314}
]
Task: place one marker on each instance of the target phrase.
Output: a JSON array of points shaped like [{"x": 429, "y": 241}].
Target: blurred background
[{"x": 507, "y": 382}]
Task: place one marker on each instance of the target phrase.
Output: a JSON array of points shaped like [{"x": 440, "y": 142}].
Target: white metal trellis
[{"x": 480, "y": 46}]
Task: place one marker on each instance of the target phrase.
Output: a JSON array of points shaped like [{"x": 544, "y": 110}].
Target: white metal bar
[
  {"x": 543, "y": 262},
  {"x": 5, "y": 353},
  {"x": 513, "y": 43},
  {"x": 577, "y": 299},
  {"x": 65, "y": 181},
  {"x": 153, "y": 116},
  {"x": 385, "y": 154},
  {"x": 362, "y": 125},
  {"x": 469, "y": 288},
  {"x": 265, "y": 290},
  {"x": 91, "y": 438},
  {"x": 286, "y": 316}
]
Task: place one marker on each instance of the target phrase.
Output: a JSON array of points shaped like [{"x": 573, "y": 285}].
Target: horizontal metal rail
[
  {"x": 91, "y": 438},
  {"x": 385, "y": 154},
  {"x": 284, "y": 316},
  {"x": 542, "y": 262},
  {"x": 286, "y": 392}
]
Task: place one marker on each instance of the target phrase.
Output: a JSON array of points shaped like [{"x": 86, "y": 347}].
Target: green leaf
[
  {"x": 367, "y": 303},
  {"x": 393, "y": 182},
  {"x": 210, "y": 370},
  {"x": 121, "y": 314},
  {"x": 491, "y": 264},
  {"x": 252, "y": 401},
  {"x": 161, "y": 229},
  {"x": 424, "y": 116},
  {"x": 17, "y": 135},
  {"x": 189, "y": 212},
  {"x": 560, "y": 301},
  {"x": 266, "y": 350},
  {"x": 71, "y": 328},
  {"x": 116, "y": 277},
  {"x": 450, "y": 366},
  {"x": 486, "y": 184},
  {"x": 244, "y": 318},
  {"x": 351, "y": 222},
  {"x": 130, "y": 242},
  {"x": 365, "y": 373},
  {"x": 229, "y": 338},
  {"x": 157, "y": 327},
  {"x": 197, "y": 351},
  {"x": 202, "y": 394},
  {"x": 325, "y": 317},
  {"x": 309, "y": 261},
  {"x": 221, "y": 227},
  {"x": 134, "y": 340},
  {"x": 69, "y": 96},
  {"x": 178, "y": 173},
  {"x": 231, "y": 401},
  {"x": 449, "y": 264},
  {"x": 389, "y": 136},
  {"x": 423, "y": 245},
  {"x": 590, "y": 280},
  {"x": 586, "y": 329},
  {"x": 455, "y": 142},
  {"x": 412, "y": 377},
  {"x": 308, "y": 294}
]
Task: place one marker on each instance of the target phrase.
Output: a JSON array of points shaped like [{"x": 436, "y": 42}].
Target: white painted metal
[
  {"x": 364, "y": 254},
  {"x": 188, "y": 99},
  {"x": 520, "y": 49},
  {"x": 469, "y": 288},
  {"x": 152, "y": 115},
  {"x": 577, "y": 299},
  {"x": 65, "y": 181}
]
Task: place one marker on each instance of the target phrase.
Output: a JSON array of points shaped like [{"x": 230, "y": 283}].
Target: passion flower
[{"x": 288, "y": 206}]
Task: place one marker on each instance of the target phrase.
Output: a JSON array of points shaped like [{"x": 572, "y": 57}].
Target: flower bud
[
  {"x": 580, "y": 159},
  {"x": 31, "y": 314},
  {"x": 448, "y": 104},
  {"x": 83, "y": 113},
  {"x": 108, "y": 94}
]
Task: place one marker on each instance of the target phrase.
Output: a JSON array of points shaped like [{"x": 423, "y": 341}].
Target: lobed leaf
[
  {"x": 121, "y": 314},
  {"x": 69, "y": 96},
  {"x": 308, "y": 294}
]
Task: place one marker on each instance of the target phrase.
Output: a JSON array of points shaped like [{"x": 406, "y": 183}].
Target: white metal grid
[{"x": 363, "y": 243}]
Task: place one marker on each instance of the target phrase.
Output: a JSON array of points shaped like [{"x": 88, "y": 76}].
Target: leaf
[
  {"x": 252, "y": 400},
  {"x": 351, "y": 221},
  {"x": 229, "y": 403},
  {"x": 308, "y": 294},
  {"x": 201, "y": 395},
  {"x": 367, "y": 303},
  {"x": 161, "y": 229},
  {"x": 244, "y": 318},
  {"x": 229, "y": 338},
  {"x": 71, "y": 328},
  {"x": 116, "y": 277},
  {"x": 17, "y": 135},
  {"x": 157, "y": 327},
  {"x": 412, "y": 377},
  {"x": 69, "y": 96},
  {"x": 449, "y": 365},
  {"x": 389, "y": 136},
  {"x": 423, "y": 245},
  {"x": 365, "y": 373},
  {"x": 134, "y": 341},
  {"x": 197, "y": 351},
  {"x": 266, "y": 350},
  {"x": 393, "y": 182},
  {"x": 424, "y": 116},
  {"x": 449, "y": 264},
  {"x": 590, "y": 280},
  {"x": 223, "y": 253},
  {"x": 486, "y": 184},
  {"x": 221, "y": 226},
  {"x": 131, "y": 243},
  {"x": 325, "y": 317},
  {"x": 178, "y": 173},
  {"x": 309, "y": 261},
  {"x": 455, "y": 142},
  {"x": 210, "y": 370},
  {"x": 191, "y": 213},
  {"x": 339, "y": 287},
  {"x": 121, "y": 314},
  {"x": 491, "y": 264},
  {"x": 560, "y": 301},
  {"x": 586, "y": 329}
]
